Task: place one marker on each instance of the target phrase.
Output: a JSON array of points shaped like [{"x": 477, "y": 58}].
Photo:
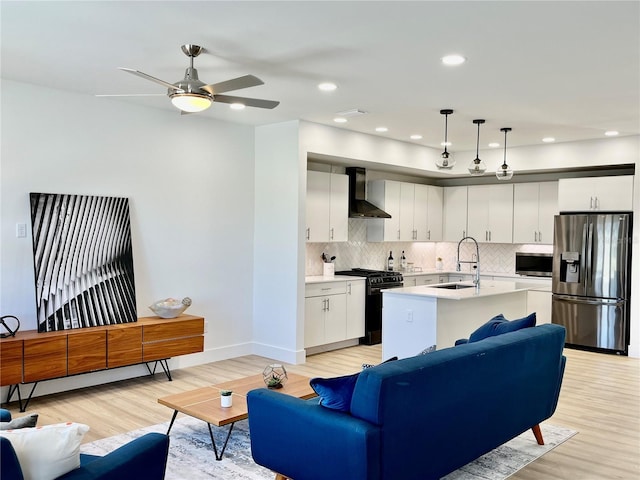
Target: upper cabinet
[
  {"x": 490, "y": 213},
  {"x": 416, "y": 212},
  {"x": 595, "y": 194},
  {"x": 327, "y": 207},
  {"x": 534, "y": 206},
  {"x": 455, "y": 213}
]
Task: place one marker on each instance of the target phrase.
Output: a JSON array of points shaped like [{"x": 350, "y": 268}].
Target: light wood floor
[{"x": 600, "y": 398}]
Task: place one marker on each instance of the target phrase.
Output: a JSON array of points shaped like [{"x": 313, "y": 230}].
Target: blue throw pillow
[
  {"x": 499, "y": 325},
  {"x": 335, "y": 393}
]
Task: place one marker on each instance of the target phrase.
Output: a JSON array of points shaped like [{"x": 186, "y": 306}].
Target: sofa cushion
[
  {"x": 335, "y": 393},
  {"x": 20, "y": 422},
  {"x": 499, "y": 325},
  {"x": 47, "y": 452}
]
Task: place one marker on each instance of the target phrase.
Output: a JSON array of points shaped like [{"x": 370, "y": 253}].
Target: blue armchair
[{"x": 145, "y": 457}]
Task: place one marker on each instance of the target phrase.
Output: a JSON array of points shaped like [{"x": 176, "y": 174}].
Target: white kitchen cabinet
[
  {"x": 490, "y": 213},
  {"x": 327, "y": 207},
  {"x": 454, "y": 213},
  {"x": 435, "y": 205},
  {"x": 415, "y": 209},
  {"x": 386, "y": 195},
  {"x": 356, "y": 292},
  {"x": 613, "y": 193},
  {"x": 534, "y": 206},
  {"x": 325, "y": 313}
]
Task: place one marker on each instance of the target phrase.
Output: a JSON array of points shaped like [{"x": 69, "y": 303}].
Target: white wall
[
  {"x": 279, "y": 243},
  {"x": 190, "y": 183}
]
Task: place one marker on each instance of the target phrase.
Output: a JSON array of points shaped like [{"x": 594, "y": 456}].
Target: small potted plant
[
  {"x": 226, "y": 398},
  {"x": 439, "y": 264}
]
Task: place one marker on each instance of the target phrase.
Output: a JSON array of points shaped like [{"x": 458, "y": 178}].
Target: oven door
[{"x": 373, "y": 314}]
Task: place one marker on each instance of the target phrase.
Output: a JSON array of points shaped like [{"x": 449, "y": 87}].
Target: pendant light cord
[
  {"x": 446, "y": 127},
  {"x": 478, "y": 143},
  {"x": 505, "y": 147}
]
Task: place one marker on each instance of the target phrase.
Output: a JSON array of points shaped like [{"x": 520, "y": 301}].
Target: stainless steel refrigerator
[{"x": 592, "y": 279}]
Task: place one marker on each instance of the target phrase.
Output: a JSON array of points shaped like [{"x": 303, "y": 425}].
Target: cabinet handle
[
  {"x": 349, "y": 285},
  {"x": 324, "y": 304},
  {"x": 539, "y": 236},
  {"x": 428, "y": 234},
  {"x": 331, "y": 235},
  {"x": 327, "y": 288},
  {"x": 328, "y": 305},
  {"x": 398, "y": 234},
  {"x": 591, "y": 203},
  {"x": 308, "y": 232},
  {"x": 597, "y": 203},
  {"x": 486, "y": 235},
  {"x": 464, "y": 233},
  {"x": 535, "y": 236}
]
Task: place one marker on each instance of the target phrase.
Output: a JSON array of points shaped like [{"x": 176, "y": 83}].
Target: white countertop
[
  {"x": 333, "y": 278},
  {"x": 487, "y": 288}
]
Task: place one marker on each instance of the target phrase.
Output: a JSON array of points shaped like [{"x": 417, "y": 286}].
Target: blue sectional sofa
[
  {"x": 416, "y": 418},
  {"x": 142, "y": 458}
]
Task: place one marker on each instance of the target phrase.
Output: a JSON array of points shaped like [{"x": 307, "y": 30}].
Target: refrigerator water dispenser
[{"x": 570, "y": 267}]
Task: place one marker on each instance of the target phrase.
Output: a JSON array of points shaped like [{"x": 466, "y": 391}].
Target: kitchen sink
[{"x": 453, "y": 286}]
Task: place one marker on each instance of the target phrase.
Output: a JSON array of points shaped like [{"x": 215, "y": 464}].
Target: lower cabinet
[
  {"x": 333, "y": 312},
  {"x": 356, "y": 291}
]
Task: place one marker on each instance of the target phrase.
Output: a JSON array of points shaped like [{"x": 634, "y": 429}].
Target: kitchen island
[{"x": 416, "y": 318}]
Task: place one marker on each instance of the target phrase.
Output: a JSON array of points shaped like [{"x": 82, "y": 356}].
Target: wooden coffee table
[{"x": 204, "y": 403}]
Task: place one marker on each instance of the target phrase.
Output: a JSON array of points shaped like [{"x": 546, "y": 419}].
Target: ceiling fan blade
[
  {"x": 130, "y": 95},
  {"x": 234, "y": 84},
  {"x": 149, "y": 77},
  {"x": 249, "y": 102}
]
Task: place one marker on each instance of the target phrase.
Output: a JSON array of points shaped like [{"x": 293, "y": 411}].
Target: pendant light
[
  {"x": 477, "y": 166},
  {"x": 505, "y": 172},
  {"x": 444, "y": 161}
]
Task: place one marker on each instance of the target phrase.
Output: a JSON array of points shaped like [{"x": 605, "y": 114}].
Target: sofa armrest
[
  {"x": 302, "y": 439},
  {"x": 145, "y": 457},
  {"x": 9, "y": 464},
  {"x": 5, "y": 415}
]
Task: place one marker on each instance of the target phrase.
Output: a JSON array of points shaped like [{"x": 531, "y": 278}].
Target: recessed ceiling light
[
  {"x": 327, "y": 86},
  {"x": 382, "y": 129},
  {"x": 494, "y": 145},
  {"x": 548, "y": 139},
  {"x": 453, "y": 59},
  {"x": 237, "y": 106},
  {"x": 611, "y": 133},
  {"x": 415, "y": 137},
  {"x": 340, "y": 120}
]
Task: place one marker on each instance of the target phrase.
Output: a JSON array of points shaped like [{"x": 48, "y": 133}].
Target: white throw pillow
[{"x": 49, "y": 451}]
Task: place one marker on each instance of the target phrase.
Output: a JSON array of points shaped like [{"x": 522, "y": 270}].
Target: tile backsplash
[{"x": 358, "y": 253}]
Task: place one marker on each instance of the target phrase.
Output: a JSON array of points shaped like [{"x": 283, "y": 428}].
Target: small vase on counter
[{"x": 439, "y": 264}]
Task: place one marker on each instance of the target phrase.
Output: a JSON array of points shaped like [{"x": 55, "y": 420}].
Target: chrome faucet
[{"x": 476, "y": 280}]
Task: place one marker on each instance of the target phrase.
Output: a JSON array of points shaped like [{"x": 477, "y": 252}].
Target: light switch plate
[{"x": 21, "y": 230}]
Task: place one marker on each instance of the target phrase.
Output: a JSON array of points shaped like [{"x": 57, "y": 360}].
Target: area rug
[{"x": 191, "y": 455}]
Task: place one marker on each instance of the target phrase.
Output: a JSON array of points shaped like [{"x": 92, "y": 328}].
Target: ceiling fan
[{"x": 191, "y": 95}]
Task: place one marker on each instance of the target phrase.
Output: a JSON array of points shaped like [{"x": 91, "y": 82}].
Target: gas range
[
  {"x": 376, "y": 278},
  {"x": 377, "y": 281}
]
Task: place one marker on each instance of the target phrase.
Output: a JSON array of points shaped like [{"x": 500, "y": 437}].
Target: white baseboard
[{"x": 295, "y": 357}]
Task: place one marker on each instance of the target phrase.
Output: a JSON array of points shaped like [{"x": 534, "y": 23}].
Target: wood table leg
[
  {"x": 281, "y": 477},
  {"x": 538, "y": 434}
]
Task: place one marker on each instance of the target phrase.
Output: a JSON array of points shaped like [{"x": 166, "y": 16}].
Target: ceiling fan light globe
[{"x": 190, "y": 102}]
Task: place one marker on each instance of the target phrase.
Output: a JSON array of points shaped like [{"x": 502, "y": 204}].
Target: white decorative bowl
[{"x": 170, "y": 307}]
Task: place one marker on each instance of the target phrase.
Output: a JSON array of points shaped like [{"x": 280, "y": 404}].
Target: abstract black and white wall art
[{"x": 83, "y": 261}]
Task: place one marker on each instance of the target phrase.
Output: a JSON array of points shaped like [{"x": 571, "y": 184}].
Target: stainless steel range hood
[{"x": 358, "y": 205}]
